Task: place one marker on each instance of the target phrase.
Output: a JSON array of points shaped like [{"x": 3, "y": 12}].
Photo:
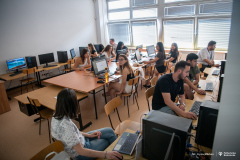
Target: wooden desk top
[
  {"x": 209, "y": 71},
  {"x": 7, "y": 77},
  {"x": 48, "y": 99}
]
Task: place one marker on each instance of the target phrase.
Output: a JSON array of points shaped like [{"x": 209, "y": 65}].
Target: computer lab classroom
[{"x": 40, "y": 41}]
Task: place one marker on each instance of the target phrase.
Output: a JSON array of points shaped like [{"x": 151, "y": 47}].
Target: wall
[
  {"x": 33, "y": 27},
  {"x": 227, "y": 130}
]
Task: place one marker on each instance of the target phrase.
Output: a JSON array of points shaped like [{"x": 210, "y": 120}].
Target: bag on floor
[{"x": 58, "y": 156}]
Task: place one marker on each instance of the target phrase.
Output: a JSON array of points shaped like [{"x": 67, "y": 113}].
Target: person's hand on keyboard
[
  {"x": 200, "y": 91},
  {"x": 182, "y": 107},
  {"x": 190, "y": 115}
]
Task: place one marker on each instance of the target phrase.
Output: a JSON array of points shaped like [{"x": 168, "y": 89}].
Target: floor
[{"x": 19, "y": 134}]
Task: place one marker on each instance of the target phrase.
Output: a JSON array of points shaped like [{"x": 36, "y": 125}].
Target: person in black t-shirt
[
  {"x": 168, "y": 87},
  {"x": 173, "y": 55},
  {"x": 92, "y": 50}
]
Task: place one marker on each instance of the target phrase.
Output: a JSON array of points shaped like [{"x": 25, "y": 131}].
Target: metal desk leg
[
  {"x": 79, "y": 119},
  {"x": 95, "y": 104},
  {"x": 105, "y": 94}
]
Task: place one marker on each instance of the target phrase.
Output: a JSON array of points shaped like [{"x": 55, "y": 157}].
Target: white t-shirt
[
  {"x": 106, "y": 55},
  {"x": 67, "y": 132},
  {"x": 114, "y": 48},
  {"x": 205, "y": 54}
]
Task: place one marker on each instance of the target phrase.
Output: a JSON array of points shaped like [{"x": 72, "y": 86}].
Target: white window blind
[
  {"x": 214, "y": 29},
  {"x": 119, "y": 15},
  {"x": 178, "y": 31},
  {"x": 143, "y": 2},
  {"x": 118, "y": 4},
  {"x": 120, "y": 32},
  {"x": 144, "y": 13},
  {"x": 169, "y": 1},
  {"x": 179, "y": 10},
  {"x": 144, "y": 33},
  {"x": 221, "y": 7}
]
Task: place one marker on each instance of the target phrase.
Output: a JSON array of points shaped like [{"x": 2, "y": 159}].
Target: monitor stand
[
  {"x": 16, "y": 73},
  {"x": 46, "y": 66}
]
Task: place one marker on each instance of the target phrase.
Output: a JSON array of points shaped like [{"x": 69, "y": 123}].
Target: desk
[
  {"x": 4, "y": 105},
  {"x": 48, "y": 99}
]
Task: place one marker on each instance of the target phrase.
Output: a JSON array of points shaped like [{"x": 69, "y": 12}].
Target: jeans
[
  {"x": 168, "y": 110},
  {"x": 108, "y": 137}
]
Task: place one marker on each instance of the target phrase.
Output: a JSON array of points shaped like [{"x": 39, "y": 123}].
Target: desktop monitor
[
  {"x": 98, "y": 47},
  {"x": 99, "y": 65},
  {"x": 46, "y": 58},
  {"x": 139, "y": 46},
  {"x": 207, "y": 121},
  {"x": 165, "y": 136},
  {"x": 137, "y": 54},
  {"x": 151, "y": 50},
  {"x": 81, "y": 48},
  {"x": 72, "y": 52},
  {"x": 118, "y": 52},
  {"x": 16, "y": 64}
]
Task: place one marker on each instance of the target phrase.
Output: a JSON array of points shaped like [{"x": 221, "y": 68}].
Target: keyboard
[
  {"x": 16, "y": 73},
  {"x": 195, "y": 107},
  {"x": 216, "y": 72},
  {"x": 209, "y": 86},
  {"x": 129, "y": 144},
  {"x": 103, "y": 76}
]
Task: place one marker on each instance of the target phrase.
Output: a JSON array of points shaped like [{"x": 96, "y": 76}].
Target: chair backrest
[
  {"x": 136, "y": 73},
  {"x": 179, "y": 57},
  {"x": 133, "y": 81},
  {"x": 149, "y": 68},
  {"x": 172, "y": 69},
  {"x": 29, "y": 71},
  {"x": 166, "y": 63},
  {"x": 199, "y": 65},
  {"x": 154, "y": 81},
  {"x": 34, "y": 104},
  {"x": 111, "y": 105},
  {"x": 56, "y": 146},
  {"x": 71, "y": 61},
  {"x": 149, "y": 92}
]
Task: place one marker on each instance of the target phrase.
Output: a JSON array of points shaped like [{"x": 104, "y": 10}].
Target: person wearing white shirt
[
  {"x": 206, "y": 56},
  {"x": 114, "y": 45},
  {"x": 108, "y": 52}
]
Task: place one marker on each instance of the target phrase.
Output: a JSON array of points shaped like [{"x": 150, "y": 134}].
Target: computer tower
[
  {"x": 207, "y": 120},
  {"x": 221, "y": 77},
  {"x": 31, "y": 61},
  {"x": 158, "y": 131},
  {"x": 222, "y": 69},
  {"x": 62, "y": 56}
]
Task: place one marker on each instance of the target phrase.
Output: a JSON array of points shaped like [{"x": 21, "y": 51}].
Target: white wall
[
  {"x": 227, "y": 130},
  {"x": 33, "y": 27}
]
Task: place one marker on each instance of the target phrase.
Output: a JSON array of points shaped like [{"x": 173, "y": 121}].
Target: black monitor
[
  {"x": 207, "y": 121},
  {"x": 118, "y": 52},
  {"x": 46, "y": 58},
  {"x": 158, "y": 131},
  {"x": 16, "y": 64},
  {"x": 72, "y": 52},
  {"x": 151, "y": 50},
  {"x": 80, "y": 49},
  {"x": 99, "y": 47}
]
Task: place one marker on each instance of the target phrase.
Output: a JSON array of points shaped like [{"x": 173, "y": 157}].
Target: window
[
  {"x": 143, "y": 2},
  {"x": 178, "y": 31},
  {"x": 120, "y": 32},
  {"x": 169, "y": 1},
  {"x": 179, "y": 10},
  {"x": 144, "y": 33},
  {"x": 143, "y": 13},
  {"x": 118, "y": 4},
  {"x": 119, "y": 15},
  {"x": 214, "y": 29},
  {"x": 224, "y": 7}
]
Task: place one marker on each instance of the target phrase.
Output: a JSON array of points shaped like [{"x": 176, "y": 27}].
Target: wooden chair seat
[
  {"x": 28, "y": 80},
  {"x": 147, "y": 77},
  {"x": 127, "y": 124},
  {"x": 126, "y": 94},
  {"x": 46, "y": 113}
]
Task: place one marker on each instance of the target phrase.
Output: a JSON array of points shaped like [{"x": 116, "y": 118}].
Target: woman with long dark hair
[
  {"x": 108, "y": 52},
  {"x": 79, "y": 145},
  {"x": 159, "y": 59},
  {"x": 83, "y": 61},
  {"x": 173, "y": 54},
  {"x": 126, "y": 71},
  {"x": 121, "y": 46},
  {"x": 92, "y": 50}
]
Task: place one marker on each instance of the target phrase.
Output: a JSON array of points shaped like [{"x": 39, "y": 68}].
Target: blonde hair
[{"x": 127, "y": 64}]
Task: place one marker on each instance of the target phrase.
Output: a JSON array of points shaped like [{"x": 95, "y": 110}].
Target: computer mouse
[
  {"x": 120, "y": 158},
  {"x": 100, "y": 81}
]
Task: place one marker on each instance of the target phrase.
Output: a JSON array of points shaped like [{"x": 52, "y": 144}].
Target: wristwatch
[{"x": 183, "y": 104}]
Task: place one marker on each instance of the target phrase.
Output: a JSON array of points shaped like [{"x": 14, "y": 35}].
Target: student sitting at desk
[
  {"x": 173, "y": 54},
  {"x": 77, "y": 144},
  {"x": 121, "y": 46},
  {"x": 108, "y": 52},
  {"x": 92, "y": 50},
  {"x": 159, "y": 59},
  {"x": 83, "y": 61},
  {"x": 113, "y": 44},
  {"x": 168, "y": 87},
  {"x": 193, "y": 77},
  {"x": 127, "y": 74}
]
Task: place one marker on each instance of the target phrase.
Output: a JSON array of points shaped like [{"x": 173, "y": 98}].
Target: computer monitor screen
[
  {"x": 99, "y": 65},
  {"x": 139, "y": 46},
  {"x": 72, "y": 52},
  {"x": 80, "y": 49},
  {"x": 15, "y": 64},
  {"x": 150, "y": 50},
  {"x": 138, "y": 56},
  {"x": 46, "y": 58},
  {"x": 123, "y": 51},
  {"x": 98, "y": 47}
]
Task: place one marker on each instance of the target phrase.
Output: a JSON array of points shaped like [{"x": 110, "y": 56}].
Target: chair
[
  {"x": 56, "y": 146},
  {"x": 149, "y": 92},
  {"x": 69, "y": 63},
  {"x": 154, "y": 81},
  {"x": 179, "y": 57},
  {"x": 45, "y": 113},
  {"x": 136, "y": 74},
  {"x": 148, "y": 69},
  {"x": 28, "y": 79},
  {"x": 132, "y": 82},
  {"x": 172, "y": 69},
  {"x": 166, "y": 63},
  {"x": 127, "y": 124}
]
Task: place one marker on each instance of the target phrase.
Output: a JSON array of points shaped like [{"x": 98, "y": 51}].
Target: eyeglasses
[{"x": 121, "y": 59}]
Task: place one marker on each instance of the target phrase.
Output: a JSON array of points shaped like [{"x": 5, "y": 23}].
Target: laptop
[
  {"x": 127, "y": 143},
  {"x": 99, "y": 66},
  {"x": 151, "y": 51}
]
